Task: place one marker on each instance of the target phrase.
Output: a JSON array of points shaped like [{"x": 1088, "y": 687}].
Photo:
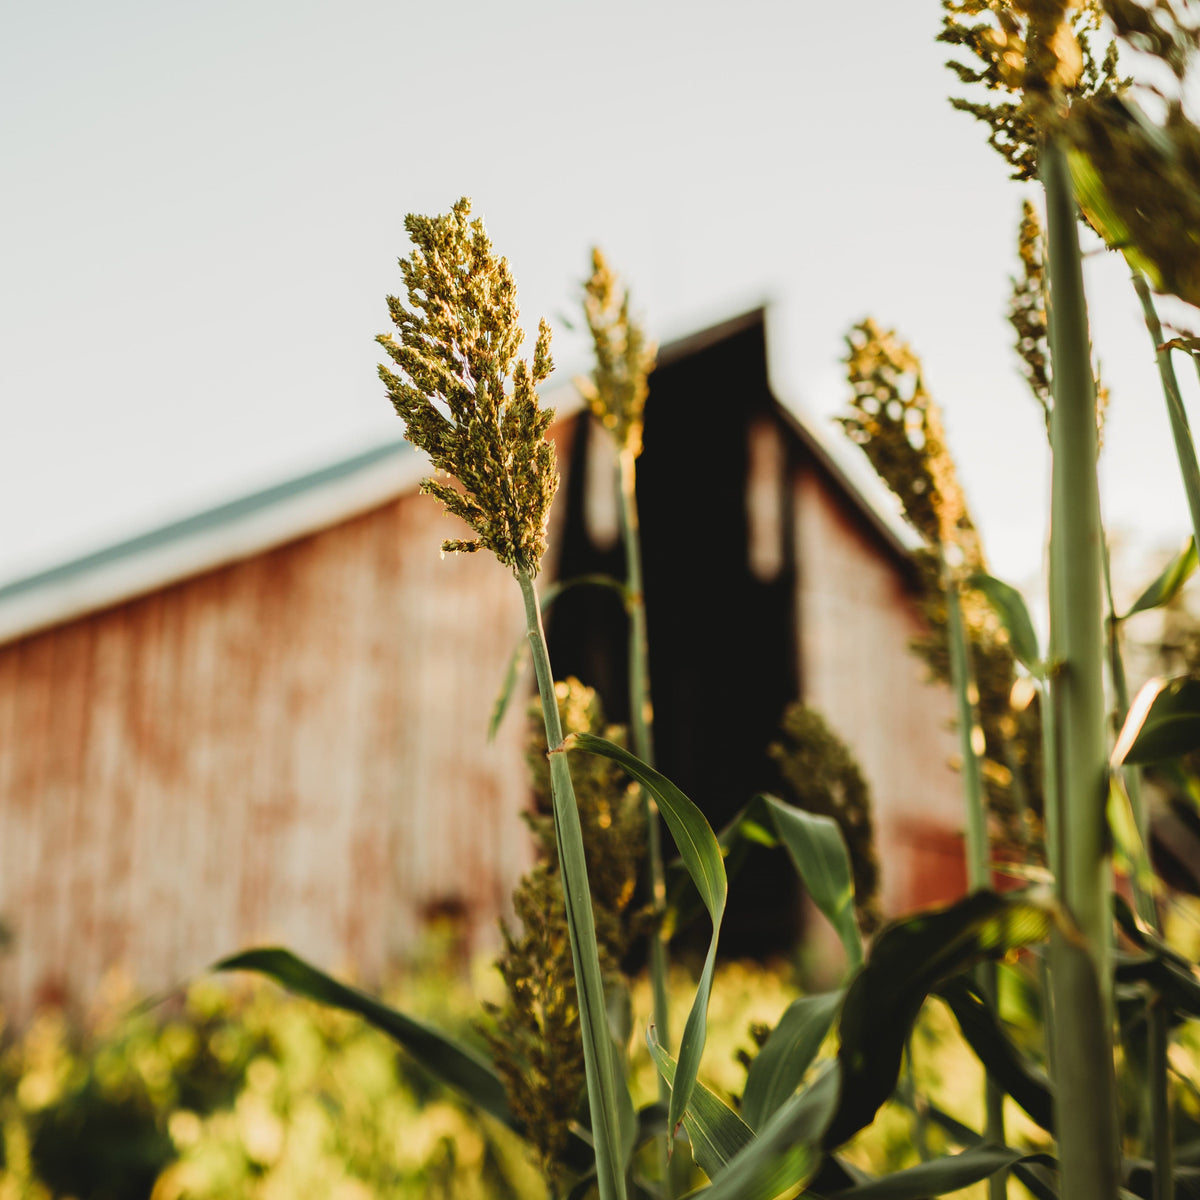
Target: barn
[{"x": 267, "y": 722}]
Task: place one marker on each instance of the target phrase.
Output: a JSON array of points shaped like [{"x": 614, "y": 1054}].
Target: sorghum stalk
[
  {"x": 1089, "y": 1143},
  {"x": 616, "y": 395},
  {"x": 971, "y": 741},
  {"x": 599, "y": 1062},
  {"x": 472, "y": 405},
  {"x": 1185, "y": 450}
]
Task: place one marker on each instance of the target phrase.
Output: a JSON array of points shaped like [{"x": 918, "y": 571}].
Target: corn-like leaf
[
  {"x": 1163, "y": 722},
  {"x": 909, "y": 959},
  {"x": 716, "y": 1132},
  {"x": 818, "y": 852},
  {"x": 1163, "y": 968},
  {"x": 1030, "y": 1171},
  {"x": 1006, "y": 1066},
  {"x": 779, "y": 1068},
  {"x": 1168, "y": 584},
  {"x": 786, "y": 1152},
  {"x": 816, "y": 848},
  {"x": 702, "y": 856},
  {"x": 936, "y": 1178},
  {"x": 452, "y": 1063},
  {"x": 517, "y": 660},
  {"x": 1009, "y": 605}
]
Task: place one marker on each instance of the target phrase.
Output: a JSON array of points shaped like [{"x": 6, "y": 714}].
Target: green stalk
[
  {"x": 1185, "y": 450},
  {"x": 970, "y": 736},
  {"x": 598, "y": 1051},
  {"x": 1158, "y": 1029},
  {"x": 641, "y": 716},
  {"x": 1089, "y": 1144}
]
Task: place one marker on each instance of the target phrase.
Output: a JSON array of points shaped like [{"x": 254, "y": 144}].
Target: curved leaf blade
[
  {"x": 1009, "y": 605},
  {"x": 1163, "y": 722},
  {"x": 716, "y": 1132},
  {"x": 780, "y": 1066},
  {"x": 702, "y": 856},
  {"x": 443, "y": 1057},
  {"x": 909, "y": 959},
  {"x": 1005, "y": 1064},
  {"x": 1168, "y": 584},
  {"x": 787, "y": 1151},
  {"x": 938, "y": 1177}
]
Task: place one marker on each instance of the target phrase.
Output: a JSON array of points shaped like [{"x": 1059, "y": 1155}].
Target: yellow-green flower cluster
[
  {"x": 617, "y": 390},
  {"x": 898, "y": 425},
  {"x": 1030, "y": 53},
  {"x": 465, "y": 397}
]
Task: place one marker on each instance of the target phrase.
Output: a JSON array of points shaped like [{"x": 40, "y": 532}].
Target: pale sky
[{"x": 202, "y": 205}]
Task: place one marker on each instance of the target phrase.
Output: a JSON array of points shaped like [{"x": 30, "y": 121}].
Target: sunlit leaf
[
  {"x": 716, "y": 1132},
  {"x": 701, "y": 855},
  {"x": 779, "y": 1067},
  {"x": 1009, "y": 605},
  {"x": 1163, "y": 722},
  {"x": 786, "y": 1152},
  {"x": 1169, "y": 582},
  {"x": 935, "y": 1178}
]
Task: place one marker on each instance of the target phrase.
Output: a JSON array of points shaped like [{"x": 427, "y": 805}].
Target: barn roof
[{"x": 273, "y": 516}]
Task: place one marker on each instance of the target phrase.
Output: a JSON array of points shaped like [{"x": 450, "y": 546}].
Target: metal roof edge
[{"x": 305, "y": 504}]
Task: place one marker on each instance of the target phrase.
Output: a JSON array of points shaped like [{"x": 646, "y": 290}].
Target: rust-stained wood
[
  {"x": 292, "y": 748},
  {"x": 856, "y": 617}
]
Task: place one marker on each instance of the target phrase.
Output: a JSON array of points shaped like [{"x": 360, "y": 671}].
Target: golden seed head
[
  {"x": 465, "y": 397},
  {"x": 1033, "y": 55},
  {"x": 616, "y": 392}
]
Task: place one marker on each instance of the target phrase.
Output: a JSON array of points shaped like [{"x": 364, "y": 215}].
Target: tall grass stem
[
  {"x": 1089, "y": 1143},
  {"x": 1185, "y": 449},
  {"x": 970, "y": 735},
  {"x": 641, "y": 719},
  {"x": 599, "y": 1059}
]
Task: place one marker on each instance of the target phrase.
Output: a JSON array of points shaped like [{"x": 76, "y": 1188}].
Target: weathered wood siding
[
  {"x": 290, "y": 749},
  {"x": 856, "y": 617}
]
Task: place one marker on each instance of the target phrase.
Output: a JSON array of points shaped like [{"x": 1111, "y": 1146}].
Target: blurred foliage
[
  {"x": 898, "y": 425},
  {"x": 534, "y": 1033},
  {"x": 243, "y": 1092},
  {"x": 820, "y": 775}
]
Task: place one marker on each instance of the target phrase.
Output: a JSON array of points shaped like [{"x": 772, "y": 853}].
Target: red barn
[{"x": 268, "y": 721}]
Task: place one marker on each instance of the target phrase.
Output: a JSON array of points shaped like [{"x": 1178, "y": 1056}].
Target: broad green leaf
[
  {"x": 1163, "y": 722},
  {"x": 1006, "y": 1066},
  {"x": 818, "y": 852},
  {"x": 443, "y": 1057},
  {"x": 780, "y": 1065},
  {"x": 1162, "y": 967},
  {"x": 1127, "y": 839},
  {"x": 1166, "y": 587},
  {"x": 1009, "y": 605},
  {"x": 1030, "y": 1171},
  {"x": 816, "y": 848},
  {"x": 1092, "y": 198},
  {"x": 701, "y": 855},
  {"x": 520, "y": 654},
  {"x": 935, "y": 1178},
  {"x": 786, "y": 1152},
  {"x": 716, "y": 1132},
  {"x": 909, "y": 959}
]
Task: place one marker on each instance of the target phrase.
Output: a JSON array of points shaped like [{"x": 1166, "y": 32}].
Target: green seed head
[
  {"x": 617, "y": 390},
  {"x": 465, "y": 397}
]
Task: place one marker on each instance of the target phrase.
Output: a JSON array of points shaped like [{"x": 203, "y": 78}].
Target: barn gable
[{"x": 268, "y": 722}]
